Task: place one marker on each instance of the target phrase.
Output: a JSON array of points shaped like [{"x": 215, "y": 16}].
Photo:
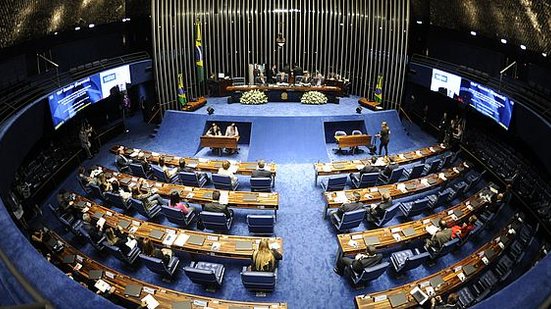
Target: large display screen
[
  {"x": 66, "y": 102},
  {"x": 488, "y": 102},
  {"x": 445, "y": 83}
]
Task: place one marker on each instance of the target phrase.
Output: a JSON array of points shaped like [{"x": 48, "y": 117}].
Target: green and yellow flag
[
  {"x": 182, "y": 97},
  {"x": 379, "y": 89},
  {"x": 199, "y": 53}
]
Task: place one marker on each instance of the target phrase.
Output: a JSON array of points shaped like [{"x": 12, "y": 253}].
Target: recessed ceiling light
[
  {"x": 91, "y": 26},
  {"x": 523, "y": 47},
  {"x": 77, "y": 28},
  {"x": 473, "y": 33},
  {"x": 544, "y": 54},
  {"x": 419, "y": 22},
  {"x": 504, "y": 41}
]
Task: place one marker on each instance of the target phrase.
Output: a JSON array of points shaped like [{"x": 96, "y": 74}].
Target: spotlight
[
  {"x": 359, "y": 109},
  {"x": 473, "y": 33},
  {"x": 77, "y": 28},
  {"x": 91, "y": 26},
  {"x": 544, "y": 54},
  {"x": 504, "y": 41},
  {"x": 55, "y": 33},
  {"x": 419, "y": 22},
  {"x": 522, "y": 46},
  {"x": 210, "y": 110}
]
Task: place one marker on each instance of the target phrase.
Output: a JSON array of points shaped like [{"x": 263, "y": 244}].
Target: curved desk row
[
  {"x": 373, "y": 194},
  {"x": 206, "y": 165},
  {"x": 92, "y": 272},
  {"x": 236, "y": 199},
  {"x": 400, "y": 234},
  {"x": 195, "y": 242},
  {"x": 447, "y": 280},
  {"x": 352, "y": 166}
]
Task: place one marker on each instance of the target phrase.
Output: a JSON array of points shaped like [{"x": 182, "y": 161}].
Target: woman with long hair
[{"x": 264, "y": 258}]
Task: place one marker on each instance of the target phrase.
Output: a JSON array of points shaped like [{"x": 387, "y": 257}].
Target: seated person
[
  {"x": 85, "y": 178},
  {"x": 368, "y": 168},
  {"x": 377, "y": 211},
  {"x": 115, "y": 185},
  {"x": 452, "y": 303},
  {"x": 306, "y": 79},
  {"x": 176, "y": 202},
  {"x": 359, "y": 262},
  {"x": 225, "y": 171},
  {"x": 231, "y": 131},
  {"x": 65, "y": 200},
  {"x": 121, "y": 161},
  {"x": 260, "y": 79},
  {"x": 104, "y": 185},
  {"x": 93, "y": 231},
  {"x": 348, "y": 207},
  {"x": 146, "y": 196},
  {"x": 264, "y": 258},
  {"x": 468, "y": 226},
  {"x": 439, "y": 238},
  {"x": 281, "y": 78},
  {"x": 261, "y": 172},
  {"x": 215, "y": 206},
  {"x": 392, "y": 165},
  {"x": 163, "y": 254},
  {"x": 118, "y": 239},
  {"x": 183, "y": 168},
  {"x": 169, "y": 172},
  {"x": 214, "y": 130},
  {"x": 40, "y": 238}
]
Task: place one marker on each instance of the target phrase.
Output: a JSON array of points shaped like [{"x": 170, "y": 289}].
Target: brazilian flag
[
  {"x": 199, "y": 53},
  {"x": 182, "y": 97},
  {"x": 379, "y": 89}
]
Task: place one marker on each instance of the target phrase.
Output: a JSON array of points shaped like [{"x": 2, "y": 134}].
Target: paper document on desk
[
  {"x": 341, "y": 197},
  {"x": 101, "y": 222},
  {"x": 224, "y": 197},
  {"x": 359, "y": 167},
  {"x": 401, "y": 156},
  {"x": 155, "y": 154},
  {"x": 442, "y": 176},
  {"x": 203, "y": 160},
  {"x": 431, "y": 229},
  {"x": 425, "y": 182},
  {"x": 432, "y": 149},
  {"x": 131, "y": 243},
  {"x": 402, "y": 188},
  {"x": 181, "y": 240},
  {"x": 150, "y": 301},
  {"x": 418, "y": 152},
  {"x": 170, "y": 238},
  {"x": 380, "y": 162},
  {"x": 102, "y": 286},
  {"x": 233, "y": 168},
  {"x": 274, "y": 245}
]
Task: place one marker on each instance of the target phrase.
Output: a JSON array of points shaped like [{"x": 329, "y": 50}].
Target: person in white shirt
[
  {"x": 231, "y": 130},
  {"x": 214, "y": 130},
  {"x": 225, "y": 171}
]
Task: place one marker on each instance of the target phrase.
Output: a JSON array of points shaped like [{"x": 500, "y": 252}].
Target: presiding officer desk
[
  {"x": 444, "y": 281},
  {"x": 325, "y": 89},
  {"x": 371, "y": 195},
  {"x": 206, "y": 165},
  {"x": 178, "y": 239},
  {"x": 236, "y": 199},
  {"x": 352, "y": 166},
  {"x": 85, "y": 269},
  {"x": 400, "y": 234}
]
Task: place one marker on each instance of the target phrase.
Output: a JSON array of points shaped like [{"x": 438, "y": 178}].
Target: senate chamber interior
[{"x": 275, "y": 154}]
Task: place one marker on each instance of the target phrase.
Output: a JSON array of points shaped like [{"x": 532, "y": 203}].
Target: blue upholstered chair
[
  {"x": 334, "y": 183},
  {"x": 416, "y": 171},
  {"x": 98, "y": 245},
  {"x": 137, "y": 170},
  {"x": 261, "y": 224},
  {"x": 209, "y": 275},
  {"x": 85, "y": 188},
  {"x": 414, "y": 208},
  {"x": 129, "y": 258},
  {"x": 261, "y": 184},
  {"x": 157, "y": 265},
  {"x": 432, "y": 167},
  {"x": 96, "y": 191},
  {"x": 117, "y": 200},
  {"x": 368, "y": 274},
  {"x": 140, "y": 208},
  {"x": 261, "y": 281},
  {"x": 216, "y": 221},
  {"x": 193, "y": 179},
  {"x": 437, "y": 199},
  {"x": 364, "y": 181},
  {"x": 161, "y": 176},
  {"x": 395, "y": 175},
  {"x": 466, "y": 297},
  {"x": 389, "y": 214},
  {"x": 446, "y": 248},
  {"x": 407, "y": 259},
  {"x": 224, "y": 182},
  {"x": 349, "y": 220},
  {"x": 447, "y": 160},
  {"x": 176, "y": 216},
  {"x": 66, "y": 220}
]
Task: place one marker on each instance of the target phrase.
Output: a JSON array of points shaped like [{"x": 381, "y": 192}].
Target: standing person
[
  {"x": 84, "y": 136},
  {"x": 384, "y": 136},
  {"x": 442, "y": 127}
]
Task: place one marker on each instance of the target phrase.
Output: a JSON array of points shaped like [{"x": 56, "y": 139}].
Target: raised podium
[{"x": 220, "y": 142}]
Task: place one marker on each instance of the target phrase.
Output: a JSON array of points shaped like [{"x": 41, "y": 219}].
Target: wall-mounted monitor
[
  {"x": 488, "y": 102},
  {"x": 445, "y": 83}
]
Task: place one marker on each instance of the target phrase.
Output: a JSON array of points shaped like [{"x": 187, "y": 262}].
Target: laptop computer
[
  {"x": 124, "y": 224},
  {"x": 435, "y": 222},
  {"x": 244, "y": 245},
  {"x": 475, "y": 203},
  {"x": 196, "y": 240},
  {"x": 436, "y": 281},
  {"x": 95, "y": 274},
  {"x": 69, "y": 259},
  {"x": 397, "y": 300},
  {"x": 181, "y": 305},
  {"x": 419, "y": 295},
  {"x": 133, "y": 290},
  {"x": 468, "y": 269},
  {"x": 458, "y": 213},
  {"x": 408, "y": 232},
  {"x": 157, "y": 234},
  {"x": 371, "y": 240}
]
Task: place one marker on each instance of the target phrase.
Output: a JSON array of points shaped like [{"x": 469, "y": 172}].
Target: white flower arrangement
[
  {"x": 253, "y": 97},
  {"x": 313, "y": 97}
]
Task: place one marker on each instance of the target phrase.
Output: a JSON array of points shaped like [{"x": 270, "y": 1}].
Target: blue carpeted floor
[{"x": 305, "y": 276}]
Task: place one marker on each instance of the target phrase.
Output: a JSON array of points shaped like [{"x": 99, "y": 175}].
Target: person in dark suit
[
  {"x": 348, "y": 207},
  {"x": 390, "y": 167},
  {"x": 368, "y": 168},
  {"x": 122, "y": 161},
  {"x": 183, "y": 168},
  {"x": 271, "y": 74},
  {"x": 148, "y": 249},
  {"x": 377, "y": 212},
  {"x": 439, "y": 238},
  {"x": 452, "y": 303},
  {"x": 261, "y": 172},
  {"x": 359, "y": 262},
  {"x": 215, "y": 206},
  {"x": 91, "y": 229},
  {"x": 384, "y": 135}
]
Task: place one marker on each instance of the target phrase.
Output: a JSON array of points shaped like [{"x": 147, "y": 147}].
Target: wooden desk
[
  {"x": 236, "y": 199},
  {"x": 353, "y": 243},
  {"x": 372, "y": 105},
  {"x": 119, "y": 281},
  {"x": 352, "y": 166},
  {"x": 286, "y": 93},
  {"x": 373, "y": 195},
  {"x": 199, "y": 164},
  {"x": 195, "y": 105},
  {"x": 449, "y": 275},
  {"x": 143, "y": 228},
  {"x": 220, "y": 142},
  {"x": 324, "y": 89},
  {"x": 353, "y": 140}
]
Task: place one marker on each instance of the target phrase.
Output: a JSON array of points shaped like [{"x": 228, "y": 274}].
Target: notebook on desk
[
  {"x": 95, "y": 274},
  {"x": 371, "y": 240},
  {"x": 397, "y": 299},
  {"x": 431, "y": 181},
  {"x": 181, "y": 305},
  {"x": 126, "y": 181},
  {"x": 81, "y": 204},
  {"x": 207, "y": 195},
  {"x": 411, "y": 186},
  {"x": 408, "y": 231},
  {"x": 196, "y": 240},
  {"x": 69, "y": 259},
  {"x": 157, "y": 234},
  {"x": 124, "y": 224},
  {"x": 133, "y": 290},
  {"x": 435, "y": 221},
  {"x": 244, "y": 245}
]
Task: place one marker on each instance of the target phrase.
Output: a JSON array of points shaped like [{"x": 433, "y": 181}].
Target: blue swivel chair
[
  {"x": 433, "y": 166},
  {"x": 446, "y": 248},
  {"x": 140, "y": 208},
  {"x": 216, "y": 221},
  {"x": 389, "y": 214},
  {"x": 129, "y": 258},
  {"x": 395, "y": 175},
  {"x": 416, "y": 171},
  {"x": 261, "y": 184},
  {"x": 261, "y": 281},
  {"x": 193, "y": 179},
  {"x": 117, "y": 200},
  {"x": 414, "y": 208},
  {"x": 161, "y": 176},
  {"x": 209, "y": 275},
  {"x": 177, "y": 217},
  {"x": 365, "y": 180},
  {"x": 368, "y": 274},
  {"x": 261, "y": 224},
  {"x": 334, "y": 183},
  {"x": 137, "y": 170},
  {"x": 349, "y": 220},
  {"x": 408, "y": 259},
  {"x": 224, "y": 182},
  {"x": 157, "y": 265}
]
